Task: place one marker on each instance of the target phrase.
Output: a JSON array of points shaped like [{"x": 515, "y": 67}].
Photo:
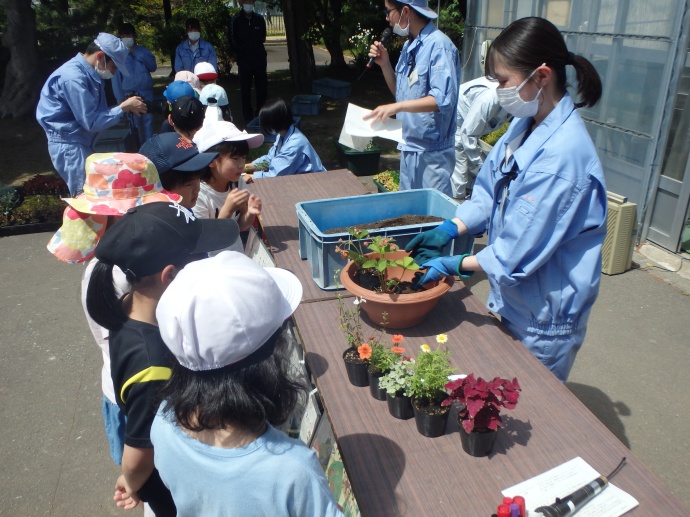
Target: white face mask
[
  {"x": 248, "y": 8},
  {"x": 103, "y": 74},
  {"x": 510, "y": 100},
  {"x": 194, "y": 36},
  {"x": 397, "y": 29},
  {"x": 128, "y": 42}
]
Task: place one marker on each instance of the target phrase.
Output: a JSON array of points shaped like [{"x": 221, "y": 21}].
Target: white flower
[{"x": 357, "y": 301}]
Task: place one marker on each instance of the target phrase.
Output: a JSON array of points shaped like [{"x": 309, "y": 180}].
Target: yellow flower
[
  {"x": 441, "y": 338},
  {"x": 425, "y": 348}
]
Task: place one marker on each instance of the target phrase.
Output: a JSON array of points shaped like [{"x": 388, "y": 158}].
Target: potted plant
[
  {"x": 381, "y": 359},
  {"x": 356, "y": 362},
  {"x": 383, "y": 277},
  {"x": 479, "y": 417},
  {"x": 360, "y": 163},
  {"x": 387, "y": 181},
  {"x": 396, "y": 383},
  {"x": 427, "y": 388}
]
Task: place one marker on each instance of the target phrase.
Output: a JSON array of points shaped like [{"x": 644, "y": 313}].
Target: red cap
[
  {"x": 503, "y": 510},
  {"x": 507, "y": 500},
  {"x": 520, "y": 501}
]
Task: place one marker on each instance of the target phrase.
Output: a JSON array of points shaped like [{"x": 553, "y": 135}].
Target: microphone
[{"x": 385, "y": 38}]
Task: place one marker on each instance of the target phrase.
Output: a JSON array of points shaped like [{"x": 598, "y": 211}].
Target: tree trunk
[
  {"x": 331, "y": 20},
  {"x": 20, "y": 91},
  {"x": 300, "y": 53},
  {"x": 167, "y": 16}
]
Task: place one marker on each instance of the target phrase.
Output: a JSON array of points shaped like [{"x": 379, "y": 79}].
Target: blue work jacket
[
  {"x": 185, "y": 59},
  {"x": 290, "y": 155},
  {"x": 140, "y": 63},
  {"x": 546, "y": 229},
  {"x": 72, "y": 107},
  {"x": 434, "y": 60}
]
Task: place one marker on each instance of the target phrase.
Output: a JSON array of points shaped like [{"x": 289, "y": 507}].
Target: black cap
[
  {"x": 188, "y": 113},
  {"x": 172, "y": 152},
  {"x": 151, "y": 236}
]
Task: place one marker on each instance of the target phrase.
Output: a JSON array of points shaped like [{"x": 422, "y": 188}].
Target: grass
[{"x": 27, "y": 146}]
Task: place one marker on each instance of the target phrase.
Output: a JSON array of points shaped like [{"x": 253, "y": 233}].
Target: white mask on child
[{"x": 510, "y": 100}]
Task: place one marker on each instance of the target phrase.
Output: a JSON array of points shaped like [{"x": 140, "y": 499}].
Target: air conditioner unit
[{"x": 616, "y": 255}]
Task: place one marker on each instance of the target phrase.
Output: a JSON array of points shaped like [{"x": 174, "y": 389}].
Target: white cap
[
  {"x": 213, "y": 91},
  {"x": 215, "y": 132},
  {"x": 205, "y": 71},
  {"x": 220, "y": 310},
  {"x": 114, "y": 49}
]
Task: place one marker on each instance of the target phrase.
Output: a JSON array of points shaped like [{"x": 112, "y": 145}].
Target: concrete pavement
[{"x": 631, "y": 373}]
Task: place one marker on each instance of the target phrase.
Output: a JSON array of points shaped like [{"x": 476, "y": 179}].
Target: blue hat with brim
[
  {"x": 177, "y": 89},
  {"x": 114, "y": 49},
  {"x": 422, "y": 7}
]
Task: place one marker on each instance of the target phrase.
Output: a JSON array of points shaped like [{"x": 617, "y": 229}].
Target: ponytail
[
  {"x": 588, "y": 81},
  {"x": 102, "y": 302}
]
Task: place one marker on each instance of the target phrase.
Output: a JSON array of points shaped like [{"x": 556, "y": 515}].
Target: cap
[
  {"x": 219, "y": 311},
  {"x": 213, "y": 94},
  {"x": 205, "y": 71},
  {"x": 190, "y": 78},
  {"x": 422, "y": 7},
  {"x": 215, "y": 132},
  {"x": 187, "y": 112},
  {"x": 114, "y": 49},
  {"x": 173, "y": 152},
  {"x": 177, "y": 89},
  {"x": 149, "y": 237}
]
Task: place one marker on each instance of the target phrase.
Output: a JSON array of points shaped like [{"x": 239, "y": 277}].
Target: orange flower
[
  {"x": 364, "y": 351},
  {"x": 397, "y": 350},
  {"x": 397, "y": 338}
]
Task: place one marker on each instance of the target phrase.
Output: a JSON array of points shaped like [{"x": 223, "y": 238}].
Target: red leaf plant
[{"x": 482, "y": 400}]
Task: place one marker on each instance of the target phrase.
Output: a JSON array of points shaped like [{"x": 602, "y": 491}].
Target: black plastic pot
[
  {"x": 431, "y": 425},
  {"x": 376, "y": 392},
  {"x": 356, "y": 371},
  {"x": 400, "y": 406},
  {"x": 477, "y": 443}
]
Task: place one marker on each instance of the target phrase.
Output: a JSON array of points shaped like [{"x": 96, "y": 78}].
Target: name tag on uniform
[{"x": 412, "y": 78}]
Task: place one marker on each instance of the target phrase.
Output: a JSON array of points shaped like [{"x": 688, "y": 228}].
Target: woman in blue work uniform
[
  {"x": 541, "y": 194},
  {"x": 425, "y": 84}
]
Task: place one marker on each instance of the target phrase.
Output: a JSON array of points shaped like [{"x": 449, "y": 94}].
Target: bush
[
  {"x": 35, "y": 209},
  {"x": 45, "y": 185},
  {"x": 10, "y": 197}
]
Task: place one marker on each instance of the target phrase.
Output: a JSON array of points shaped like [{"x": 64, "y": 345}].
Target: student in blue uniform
[
  {"x": 425, "y": 84},
  {"x": 140, "y": 63},
  {"x": 541, "y": 195},
  {"x": 72, "y": 108},
  {"x": 291, "y": 154},
  {"x": 194, "y": 50}
]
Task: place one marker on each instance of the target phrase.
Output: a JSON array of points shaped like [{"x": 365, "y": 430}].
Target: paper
[
  {"x": 542, "y": 490},
  {"x": 357, "y": 132}
]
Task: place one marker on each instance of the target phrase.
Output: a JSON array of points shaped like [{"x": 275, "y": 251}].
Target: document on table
[
  {"x": 357, "y": 132},
  {"x": 542, "y": 490}
]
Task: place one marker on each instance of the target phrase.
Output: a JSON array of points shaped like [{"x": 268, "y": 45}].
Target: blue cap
[
  {"x": 422, "y": 7},
  {"x": 114, "y": 49},
  {"x": 177, "y": 89},
  {"x": 172, "y": 152}
]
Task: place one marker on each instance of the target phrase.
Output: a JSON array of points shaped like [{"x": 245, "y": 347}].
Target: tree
[
  {"x": 21, "y": 85},
  {"x": 300, "y": 53}
]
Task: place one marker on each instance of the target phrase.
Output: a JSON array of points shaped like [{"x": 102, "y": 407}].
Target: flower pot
[
  {"x": 356, "y": 368},
  {"x": 400, "y": 406},
  {"x": 403, "y": 310},
  {"x": 360, "y": 163},
  {"x": 430, "y": 424},
  {"x": 376, "y": 392},
  {"x": 478, "y": 443}
]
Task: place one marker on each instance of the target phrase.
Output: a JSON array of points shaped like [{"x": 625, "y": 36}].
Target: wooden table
[{"x": 393, "y": 469}]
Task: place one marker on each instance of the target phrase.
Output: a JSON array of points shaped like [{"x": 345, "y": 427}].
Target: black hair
[
  {"x": 527, "y": 43},
  {"x": 249, "y": 394},
  {"x": 192, "y": 23},
  {"x": 173, "y": 179},
  {"x": 233, "y": 149},
  {"x": 93, "y": 47},
  {"x": 276, "y": 116},
  {"x": 127, "y": 28}
]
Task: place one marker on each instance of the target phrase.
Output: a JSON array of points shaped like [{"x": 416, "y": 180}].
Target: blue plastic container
[
  {"x": 331, "y": 88},
  {"x": 317, "y": 217},
  {"x": 306, "y": 104}
]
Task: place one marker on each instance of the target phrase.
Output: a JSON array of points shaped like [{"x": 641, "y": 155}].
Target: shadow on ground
[{"x": 605, "y": 409}]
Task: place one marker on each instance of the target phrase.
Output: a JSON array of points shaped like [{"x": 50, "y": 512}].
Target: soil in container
[{"x": 402, "y": 220}]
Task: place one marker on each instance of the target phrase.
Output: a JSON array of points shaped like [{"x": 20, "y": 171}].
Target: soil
[
  {"x": 403, "y": 220},
  {"x": 430, "y": 407},
  {"x": 352, "y": 356}
]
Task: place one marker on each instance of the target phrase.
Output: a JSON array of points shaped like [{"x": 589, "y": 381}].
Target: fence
[{"x": 275, "y": 25}]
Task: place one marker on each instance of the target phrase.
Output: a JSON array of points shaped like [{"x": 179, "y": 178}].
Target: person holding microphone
[
  {"x": 540, "y": 194},
  {"x": 425, "y": 84}
]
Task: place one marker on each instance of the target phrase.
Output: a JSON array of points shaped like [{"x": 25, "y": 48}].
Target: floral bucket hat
[{"x": 115, "y": 182}]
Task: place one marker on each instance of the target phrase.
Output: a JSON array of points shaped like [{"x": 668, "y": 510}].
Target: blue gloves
[
  {"x": 429, "y": 245},
  {"x": 443, "y": 266}
]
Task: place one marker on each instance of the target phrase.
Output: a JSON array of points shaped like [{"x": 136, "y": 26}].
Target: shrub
[
  {"x": 45, "y": 185},
  {"x": 36, "y": 209}
]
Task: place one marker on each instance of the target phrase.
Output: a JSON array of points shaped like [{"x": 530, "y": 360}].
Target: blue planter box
[
  {"x": 305, "y": 104},
  {"x": 331, "y": 88},
  {"x": 316, "y": 217}
]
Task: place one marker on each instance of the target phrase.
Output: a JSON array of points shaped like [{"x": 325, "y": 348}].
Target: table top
[{"x": 392, "y": 468}]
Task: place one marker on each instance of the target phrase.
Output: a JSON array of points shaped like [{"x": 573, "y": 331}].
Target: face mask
[
  {"x": 248, "y": 8},
  {"x": 193, "y": 36},
  {"x": 128, "y": 42},
  {"x": 510, "y": 100},
  {"x": 400, "y": 31},
  {"x": 103, "y": 74}
]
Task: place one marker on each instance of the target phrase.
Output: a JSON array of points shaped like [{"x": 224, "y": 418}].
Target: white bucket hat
[{"x": 215, "y": 132}]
